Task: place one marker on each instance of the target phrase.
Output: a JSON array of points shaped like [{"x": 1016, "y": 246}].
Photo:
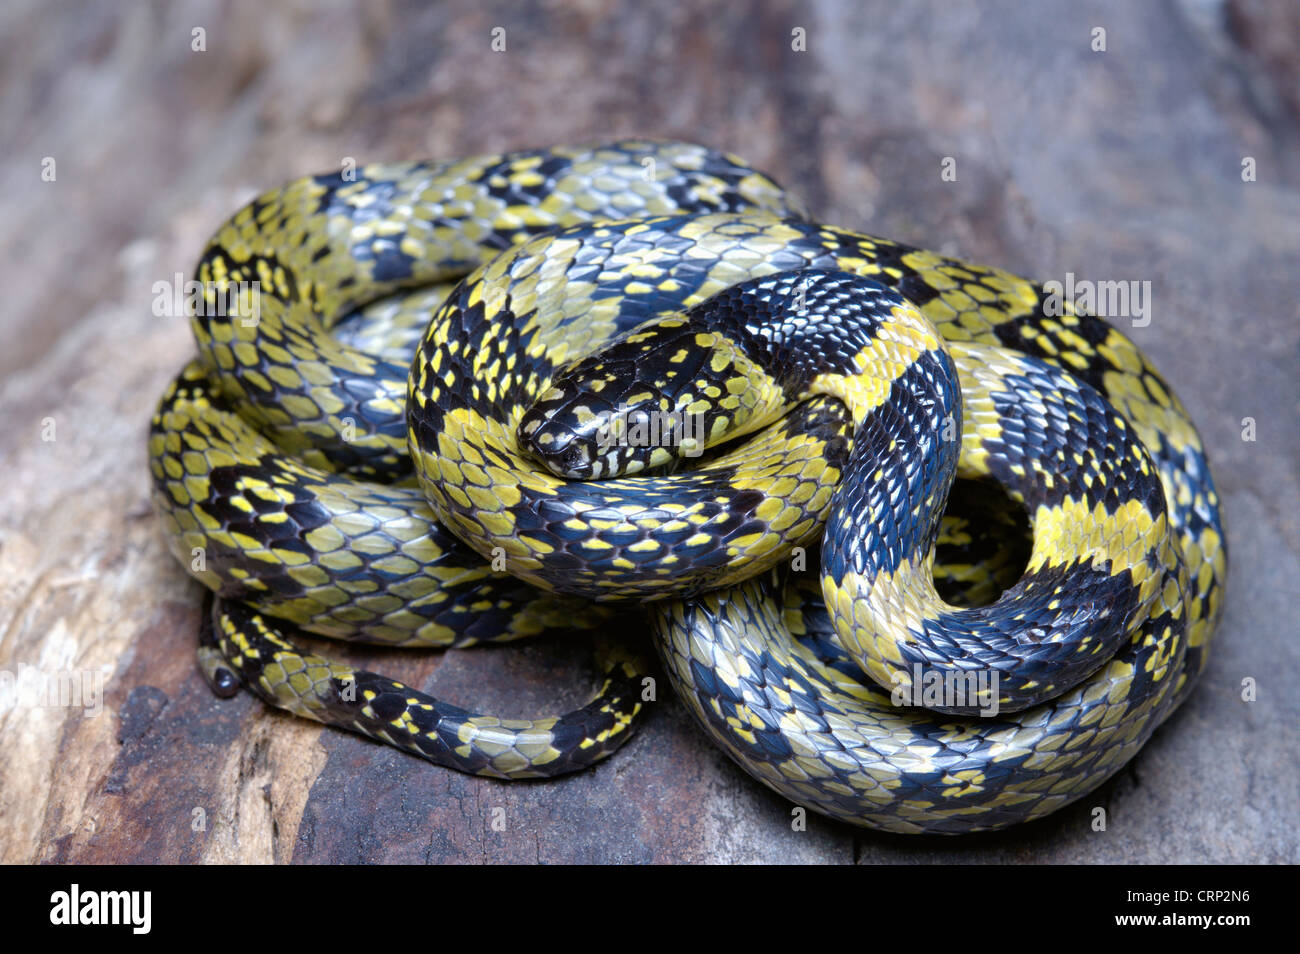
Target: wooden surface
[{"x": 1123, "y": 164}]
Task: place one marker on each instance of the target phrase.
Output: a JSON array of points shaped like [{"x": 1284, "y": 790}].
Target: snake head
[
  {"x": 650, "y": 399},
  {"x": 592, "y": 423},
  {"x": 635, "y": 405}
]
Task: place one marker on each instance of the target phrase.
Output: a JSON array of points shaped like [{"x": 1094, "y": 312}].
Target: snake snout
[
  {"x": 594, "y": 423},
  {"x": 555, "y": 445}
]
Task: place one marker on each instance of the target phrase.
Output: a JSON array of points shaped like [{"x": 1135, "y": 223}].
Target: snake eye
[{"x": 573, "y": 462}]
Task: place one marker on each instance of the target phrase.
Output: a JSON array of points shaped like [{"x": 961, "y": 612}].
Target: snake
[{"x": 921, "y": 547}]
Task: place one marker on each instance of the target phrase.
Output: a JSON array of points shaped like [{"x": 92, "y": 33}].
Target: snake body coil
[{"x": 566, "y": 297}]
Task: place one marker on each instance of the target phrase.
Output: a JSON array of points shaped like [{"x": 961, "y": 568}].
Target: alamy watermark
[
  {"x": 630, "y": 427},
  {"x": 949, "y": 689},
  {"x": 1113, "y": 299},
  {"x": 131, "y": 909},
  {"x": 33, "y": 688},
  {"x": 177, "y": 298}
]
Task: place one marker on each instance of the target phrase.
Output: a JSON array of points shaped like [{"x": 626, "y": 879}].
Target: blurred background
[{"x": 1149, "y": 142}]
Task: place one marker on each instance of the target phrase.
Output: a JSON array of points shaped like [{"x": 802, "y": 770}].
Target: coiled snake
[{"x": 896, "y": 404}]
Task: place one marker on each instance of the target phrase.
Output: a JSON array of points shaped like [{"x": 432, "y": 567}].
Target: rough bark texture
[{"x": 1122, "y": 164}]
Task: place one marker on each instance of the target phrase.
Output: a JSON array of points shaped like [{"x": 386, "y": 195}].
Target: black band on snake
[{"x": 637, "y": 378}]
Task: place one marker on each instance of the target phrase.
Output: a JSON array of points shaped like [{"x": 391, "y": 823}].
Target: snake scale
[{"x": 877, "y": 478}]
